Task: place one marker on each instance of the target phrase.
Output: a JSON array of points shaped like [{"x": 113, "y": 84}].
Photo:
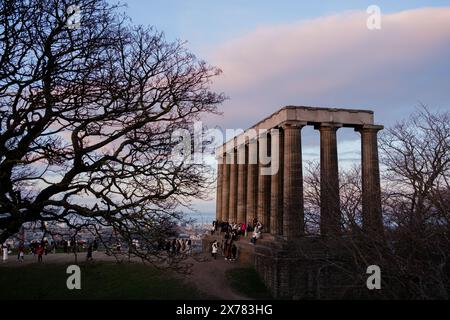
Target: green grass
[
  {"x": 247, "y": 282},
  {"x": 101, "y": 280}
]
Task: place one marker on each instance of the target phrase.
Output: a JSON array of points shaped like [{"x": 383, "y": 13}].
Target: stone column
[
  {"x": 293, "y": 214},
  {"x": 219, "y": 191},
  {"x": 226, "y": 188},
  {"x": 252, "y": 181},
  {"x": 330, "y": 213},
  {"x": 233, "y": 187},
  {"x": 242, "y": 184},
  {"x": 371, "y": 197},
  {"x": 276, "y": 185},
  {"x": 264, "y": 183}
]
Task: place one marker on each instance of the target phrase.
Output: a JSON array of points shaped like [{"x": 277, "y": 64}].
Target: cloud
[{"x": 336, "y": 61}]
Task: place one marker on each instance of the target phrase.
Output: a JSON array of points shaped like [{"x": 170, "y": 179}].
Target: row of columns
[{"x": 277, "y": 200}]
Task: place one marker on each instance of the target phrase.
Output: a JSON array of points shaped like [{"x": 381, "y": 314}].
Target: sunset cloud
[{"x": 336, "y": 61}]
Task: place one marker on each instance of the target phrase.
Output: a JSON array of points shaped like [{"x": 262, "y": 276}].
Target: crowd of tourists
[
  {"x": 40, "y": 248},
  {"x": 175, "y": 247},
  {"x": 36, "y": 248},
  {"x": 230, "y": 234}
]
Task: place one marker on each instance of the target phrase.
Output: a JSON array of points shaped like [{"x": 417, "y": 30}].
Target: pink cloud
[{"x": 335, "y": 61}]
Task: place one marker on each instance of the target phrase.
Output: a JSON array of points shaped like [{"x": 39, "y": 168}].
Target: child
[{"x": 214, "y": 249}]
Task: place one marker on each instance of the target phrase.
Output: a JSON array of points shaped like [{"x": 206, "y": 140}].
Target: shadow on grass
[
  {"x": 246, "y": 281},
  {"x": 100, "y": 280}
]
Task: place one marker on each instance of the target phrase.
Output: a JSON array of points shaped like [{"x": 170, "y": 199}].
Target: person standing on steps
[
  {"x": 214, "y": 249},
  {"x": 243, "y": 228}
]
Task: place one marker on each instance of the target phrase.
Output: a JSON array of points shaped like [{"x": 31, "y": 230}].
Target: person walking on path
[
  {"x": 5, "y": 252},
  {"x": 21, "y": 253},
  {"x": 89, "y": 253},
  {"x": 214, "y": 249},
  {"x": 228, "y": 257},
  {"x": 40, "y": 252},
  {"x": 243, "y": 227}
]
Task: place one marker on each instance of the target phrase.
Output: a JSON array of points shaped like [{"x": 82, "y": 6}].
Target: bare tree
[
  {"x": 86, "y": 119},
  {"x": 416, "y": 157}
]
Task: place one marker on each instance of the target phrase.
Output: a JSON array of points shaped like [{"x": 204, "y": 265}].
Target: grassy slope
[
  {"x": 247, "y": 282},
  {"x": 98, "y": 281}
]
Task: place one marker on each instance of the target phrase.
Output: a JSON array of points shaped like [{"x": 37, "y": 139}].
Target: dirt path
[{"x": 209, "y": 277}]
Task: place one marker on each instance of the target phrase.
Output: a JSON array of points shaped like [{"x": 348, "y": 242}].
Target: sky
[{"x": 313, "y": 53}]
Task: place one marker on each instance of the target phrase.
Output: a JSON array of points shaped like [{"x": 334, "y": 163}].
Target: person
[
  {"x": 183, "y": 245},
  {"x": 89, "y": 253},
  {"x": 20, "y": 255},
  {"x": 228, "y": 257},
  {"x": 40, "y": 252},
  {"x": 224, "y": 248},
  {"x": 223, "y": 227},
  {"x": 178, "y": 247},
  {"x": 255, "y": 222},
  {"x": 258, "y": 229},
  {"x": 95, "y": 246},
  {"x": 214, "y": 249},
  {"x": 188, "y": 246},
  {"x": 5, "y": 252},
  {"x": 174, "y": 247},
  {"x": 254, "y": 236},
  {"x": 243, "y": 228},
  {"x": 234, "y": 251},
  {"x": 248, "y": 229}
]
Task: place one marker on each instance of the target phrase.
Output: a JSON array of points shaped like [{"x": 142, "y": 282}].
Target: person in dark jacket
[
  {"x": 89, "y": 253},
  {"x": 233, "y": 251}
]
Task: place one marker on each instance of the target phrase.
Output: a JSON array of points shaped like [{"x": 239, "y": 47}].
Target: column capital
[
  {"x": 328, "y": 126},
  {"x": 221, "y": 158},
  {"x": 369, "y": 127},
  {"x": 252, "y": 140},
  {"x": 263, "y": 135},
  {"x": 292, "y": 124}
]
